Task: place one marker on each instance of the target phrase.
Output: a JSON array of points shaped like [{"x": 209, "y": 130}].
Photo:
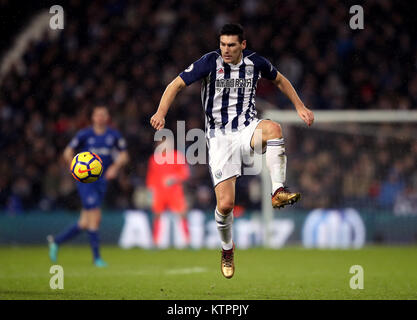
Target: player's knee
[
  {"x": 225, "y": 206},
  {"x": 82, "y": 224},
  {"x": 94, "y": 223},
  {"x": 272, "y": 130}
]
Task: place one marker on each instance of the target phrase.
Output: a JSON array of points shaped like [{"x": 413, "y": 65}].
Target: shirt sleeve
[
  {"x": 78, "y": 140},
  {"x": 198, "y": 70},
  {"x": 121, "y": 144},
  {"x": 268, "y": 71}
]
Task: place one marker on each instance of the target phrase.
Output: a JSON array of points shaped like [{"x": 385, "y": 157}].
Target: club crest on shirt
[{"x": 249, "y": 71}]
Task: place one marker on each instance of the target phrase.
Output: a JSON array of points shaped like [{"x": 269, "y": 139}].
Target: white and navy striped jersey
[{"x": 228, "y": 90}]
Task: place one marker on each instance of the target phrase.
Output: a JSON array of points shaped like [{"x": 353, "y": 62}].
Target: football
[{"x": 86, "y": 167}]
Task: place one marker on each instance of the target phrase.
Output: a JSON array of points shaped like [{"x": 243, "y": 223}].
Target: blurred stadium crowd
[{"x": 124, "y": 53}]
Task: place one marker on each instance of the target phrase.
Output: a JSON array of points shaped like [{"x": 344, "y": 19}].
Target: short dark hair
[{"x": 233, "y": 29}]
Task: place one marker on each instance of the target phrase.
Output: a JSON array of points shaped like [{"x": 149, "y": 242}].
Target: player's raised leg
[
  {"x": 225, "y": 196},
  {"x": 94, "y": 219},
  {"x": 276, "y": 161}
]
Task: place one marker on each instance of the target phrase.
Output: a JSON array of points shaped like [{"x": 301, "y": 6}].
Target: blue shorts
[{"x": 92, "y": 194}]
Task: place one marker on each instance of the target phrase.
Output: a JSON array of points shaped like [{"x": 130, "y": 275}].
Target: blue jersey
[
  {"x": 105, "y": 145},
  {"x": 228, "y": 91}
]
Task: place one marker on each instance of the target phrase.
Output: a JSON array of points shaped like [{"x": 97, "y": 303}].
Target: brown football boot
[
  {"x": 227, "y": 263},
  {"x": 283, "y": 197}
]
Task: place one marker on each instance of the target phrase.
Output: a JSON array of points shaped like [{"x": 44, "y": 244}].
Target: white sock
[
  {"x": 276, "y": 161},
  {"x": 224, "y": 225}
]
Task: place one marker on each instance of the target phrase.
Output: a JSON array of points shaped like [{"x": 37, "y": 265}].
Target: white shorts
[{"x": 230, "y": 154}]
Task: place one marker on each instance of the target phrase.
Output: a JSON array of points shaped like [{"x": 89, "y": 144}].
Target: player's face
[
  {"x": 231, "y": 48},
  {"x": 100, "y": 117}
]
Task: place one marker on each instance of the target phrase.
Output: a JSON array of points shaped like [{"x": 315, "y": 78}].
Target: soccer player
[
  {"x": 229, "y": 77},
  {"x": 164, "y": 178},
  {"x": 102, "y": 140}
]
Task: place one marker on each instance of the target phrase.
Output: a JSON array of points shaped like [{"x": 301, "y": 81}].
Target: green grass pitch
[{"x": 265, "y": 274}]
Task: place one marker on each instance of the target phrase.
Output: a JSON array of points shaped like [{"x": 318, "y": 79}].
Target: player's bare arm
[
  {"x": 171, "y": 91},
  {"x": 286, "y": 87},
  {"x": 68, "y": 155},
  {"x": 121, "y": 160}
]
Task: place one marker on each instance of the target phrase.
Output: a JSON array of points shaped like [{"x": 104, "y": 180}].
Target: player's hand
[
  {"x": 111, "y": 172},
  {"x": 157, "y": 121},
  {"x": 306, "y": 115}
]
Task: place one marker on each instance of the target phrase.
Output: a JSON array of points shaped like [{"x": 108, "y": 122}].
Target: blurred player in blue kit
[{"x": 102, "y": 140}]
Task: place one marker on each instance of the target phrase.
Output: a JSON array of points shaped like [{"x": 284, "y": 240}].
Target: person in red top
[{"x": 167, "y": 170}]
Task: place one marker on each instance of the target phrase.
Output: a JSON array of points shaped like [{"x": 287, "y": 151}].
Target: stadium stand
[{"x": 125, "y": 52}]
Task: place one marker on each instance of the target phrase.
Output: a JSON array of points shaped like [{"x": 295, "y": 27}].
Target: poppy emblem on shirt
[{"x": 220, "y": 70}]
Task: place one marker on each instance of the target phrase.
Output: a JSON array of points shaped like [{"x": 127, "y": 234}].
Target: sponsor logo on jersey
[{"x": 234, "y": 83}]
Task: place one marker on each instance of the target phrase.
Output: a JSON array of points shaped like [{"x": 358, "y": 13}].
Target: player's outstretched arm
[
  {"x": 158, "y": 119},
  {"x": 286, "y": 87}
]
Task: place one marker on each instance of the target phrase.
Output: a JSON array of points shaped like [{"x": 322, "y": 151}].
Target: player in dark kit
[
  {"x": 233, "y": 131},
  {"x": 103, "y": 141}
]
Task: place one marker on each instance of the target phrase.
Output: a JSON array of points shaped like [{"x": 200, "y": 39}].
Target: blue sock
[
  {"x": 71, "y": 232},
  {"x": 94, "y": 242}
]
